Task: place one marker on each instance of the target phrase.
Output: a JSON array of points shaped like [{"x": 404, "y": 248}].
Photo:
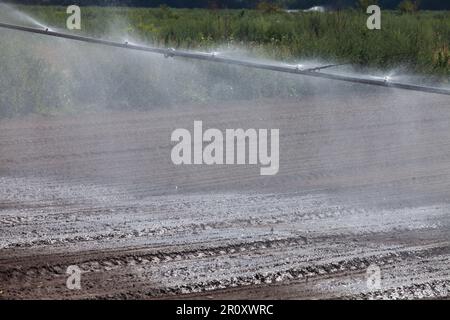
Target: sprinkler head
[
  {"x": 169, "y": 53},
  {"x": 387, "y": 79}
]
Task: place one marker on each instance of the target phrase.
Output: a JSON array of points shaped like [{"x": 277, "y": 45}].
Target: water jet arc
[{"x": 313, "y": 72}]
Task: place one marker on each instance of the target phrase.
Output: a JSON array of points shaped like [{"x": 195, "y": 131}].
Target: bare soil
[{"x": 364, "y": 180}]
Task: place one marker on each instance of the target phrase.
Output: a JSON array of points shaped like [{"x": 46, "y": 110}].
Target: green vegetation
[
  {"x": 409, "y": 6},
  {"x": 43, "y": 75},
  {"x": 419, "y": 41}
]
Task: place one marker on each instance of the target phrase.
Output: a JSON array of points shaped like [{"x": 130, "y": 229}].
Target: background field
[
  {"x": 45, "y": 75},
  {"x": 419, "y": 40}
]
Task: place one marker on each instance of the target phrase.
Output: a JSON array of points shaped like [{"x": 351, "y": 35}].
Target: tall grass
[{"x": 419, "y": 41}]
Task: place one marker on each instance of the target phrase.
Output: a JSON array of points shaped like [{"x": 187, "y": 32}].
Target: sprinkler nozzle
[{"x": 169, "y": 53}]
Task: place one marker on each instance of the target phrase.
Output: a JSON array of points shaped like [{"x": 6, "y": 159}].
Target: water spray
[
  {"x": 215, "y": 57},
  {"x": 23, "y": 16}
]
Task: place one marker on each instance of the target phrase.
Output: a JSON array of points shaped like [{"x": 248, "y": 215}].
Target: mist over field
[{"x": 53, "y": 75}]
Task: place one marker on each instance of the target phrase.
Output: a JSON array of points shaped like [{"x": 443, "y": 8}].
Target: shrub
[{"x": 409, "y": 6}]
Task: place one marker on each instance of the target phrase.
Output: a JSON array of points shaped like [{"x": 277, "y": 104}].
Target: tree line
[{"x": 242, "y": 4}]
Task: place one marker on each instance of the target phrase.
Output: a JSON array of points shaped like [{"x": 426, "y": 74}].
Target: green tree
[
  {"x": 267, "y": 7},
  {"x": 364, "y": 4},
  {"x": 409, "y": 6}
]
